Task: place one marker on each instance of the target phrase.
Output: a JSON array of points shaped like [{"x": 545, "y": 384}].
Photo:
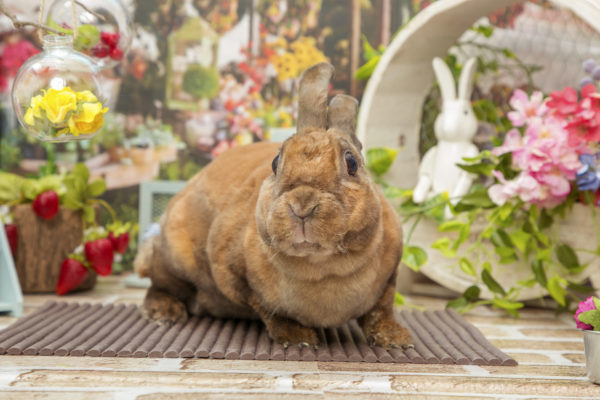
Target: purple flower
[
  {"x": 586, "y": 305},
  {"x": 588, "y": 176}
]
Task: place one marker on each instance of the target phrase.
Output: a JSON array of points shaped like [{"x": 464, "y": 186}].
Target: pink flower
[
  {"x": 526, "y": 109},
  {"x": 523, "y": 186},
  {"x": 14, "y": 54},
  {"x": 587, "y": 305},
  {"x": 564, "y": 103}
]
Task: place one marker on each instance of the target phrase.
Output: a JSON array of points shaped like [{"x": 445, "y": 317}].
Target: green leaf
[
  {"x": 476, "y": 199},
  {"x": 89, "y": 215},
  {"x": 501, "y": 239},
  {"x": 487, "y": 266},
  {"x": 545, "y": 220},
  {"x": 537, "y": 266},
  {"x": 596, "y": 302},
  {"x": 458, "y": 304},
  {"x": 480, "y": 169},
  {"x": 583, "y": 289},
  {"x": 520, "y": 239},
  {"x": 507, "y": 304},
  {"x": 97, "y": 187},
  {"x": 508, "y": 53},
  {"x": 81, "y": 170},
  {"x": 399, "y": 299},
  {"x": 591, "y": 318},
  {"x": 380, "y": 159},
  {"x": 504, "y": 252},
  {"x": 71, "y": 201},
  {"x": 485, "y": 30},
  {"x": 392, "y": 192},
  {"x": 368, "y": 51},
  {"x": 472, "y": 293},
  {"x": 463, "y": 235},
  {"x": 452, "y": 225},
  {"x": 366, "y": 70},
  {"x": 491, "y": 283},
  {"x": 567, "y": 257},
  {"x": 414, "y": 257},
  {"x": 443, "y": 245},
  {"x": 466, "y": 267},
  {"x": 557, "y": 291},
  {"x": 505, "y": 211}
]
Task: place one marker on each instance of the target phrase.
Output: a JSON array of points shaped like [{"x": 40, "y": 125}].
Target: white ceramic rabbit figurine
[{"x": 455, "y": 128}]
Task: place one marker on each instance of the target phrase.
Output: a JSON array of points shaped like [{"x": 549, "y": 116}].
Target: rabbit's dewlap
[{"x": 294, "y": 234}]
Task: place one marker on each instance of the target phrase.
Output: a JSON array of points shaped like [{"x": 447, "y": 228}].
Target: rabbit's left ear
[
  {"x": 467, "y": 76},
  {"x": 341, "y": 116}
]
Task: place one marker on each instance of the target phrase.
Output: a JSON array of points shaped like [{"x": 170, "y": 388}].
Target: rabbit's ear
[
  {"x": 312, "y": 98},
  {"x": 467, "y": 76},
  {"x": 445, "y": 79},
  {"x": 341, "y": 116}
]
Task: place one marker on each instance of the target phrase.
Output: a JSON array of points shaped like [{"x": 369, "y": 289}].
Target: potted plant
[
  {"x": 56, "y": 241},
  {"x": 587, "y": 318},
  {"x": 512, "y": 237}
]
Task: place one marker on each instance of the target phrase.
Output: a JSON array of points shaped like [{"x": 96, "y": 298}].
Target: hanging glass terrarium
[
  {"x": 104, "y": 28},
  {"x": 56, "y": 95}
]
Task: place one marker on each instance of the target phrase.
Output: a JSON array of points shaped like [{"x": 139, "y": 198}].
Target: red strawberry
[
  {"x": 116, "y": 53},
  {"x": 100, "y": 50},
  {"x": 120, "y": 242},
  {"x": 72, "y": 273},
  {"x": 110, "y": 39},
  {"x": 12, "y": 236},
  {"x": 100, "y": 254},
  {"x": 46, "y": 204}
]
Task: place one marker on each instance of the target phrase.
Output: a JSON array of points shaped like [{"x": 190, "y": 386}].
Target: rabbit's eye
[
  {"x": 351, "y": 164},
  {"x": 274, "y": 164}
]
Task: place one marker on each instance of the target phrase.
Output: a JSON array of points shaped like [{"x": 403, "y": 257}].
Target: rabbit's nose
[{"x": 302, "y": 212}]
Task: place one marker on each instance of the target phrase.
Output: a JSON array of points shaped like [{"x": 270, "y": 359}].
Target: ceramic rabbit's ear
[
  {"x": 467, "y": 76},
  {"x": 445, "y": 79},
  {"x": 312, "y": 97}
]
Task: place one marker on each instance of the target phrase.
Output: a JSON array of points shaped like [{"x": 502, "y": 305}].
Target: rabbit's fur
[
  {"x": 455, "y": 127},
  {"x": 304, "y": 247}
]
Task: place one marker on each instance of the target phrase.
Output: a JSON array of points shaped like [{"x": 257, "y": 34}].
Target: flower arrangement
[
  {"x": 73, "y": 191},
  {"x": 64, "y": 111},
  {"x": 529, "y": 182},
  {"x": 587, "y": 315},
  {"x": 12, "y": 55}
]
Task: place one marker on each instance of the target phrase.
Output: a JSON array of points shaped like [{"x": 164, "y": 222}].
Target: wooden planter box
[{"x": 43, "y": 245}]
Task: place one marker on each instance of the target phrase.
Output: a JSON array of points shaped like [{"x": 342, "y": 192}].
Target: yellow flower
[
  {"x": 286, "y": 66},
  {"x": 86, "y": 95},
  {"x": 58, "y": 103},
  {"x": 34, "y": 110},
  {"x": 306, "y": 53},
  {"x": 89, "y": 120}
]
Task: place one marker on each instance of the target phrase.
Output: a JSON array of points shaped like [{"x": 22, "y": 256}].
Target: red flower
[
  {"x": 564, "y": 103},
  {"x": 15, "y": 54}
]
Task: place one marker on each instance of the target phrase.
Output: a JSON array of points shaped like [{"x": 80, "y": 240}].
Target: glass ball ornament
[
  {"x": 104, "y": 28},
  {"x": 56, "y": 95}
]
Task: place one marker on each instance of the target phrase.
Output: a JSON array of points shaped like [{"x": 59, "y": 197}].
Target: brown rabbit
[{"x": 297, "y": 234}]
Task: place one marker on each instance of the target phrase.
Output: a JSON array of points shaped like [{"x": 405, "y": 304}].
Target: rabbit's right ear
[
  {"x": 445, "y": 79},
  {"x": 312, "y": 97}
]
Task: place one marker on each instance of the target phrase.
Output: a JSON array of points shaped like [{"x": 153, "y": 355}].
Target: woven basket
[{"x": 390, "y": 115}]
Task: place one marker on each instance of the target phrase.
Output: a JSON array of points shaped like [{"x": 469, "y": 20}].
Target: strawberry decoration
[
  {"x": 116, "y": 53},
  {"x": 100, "y": 50},
  {"x": 119, "y": 242},
  {"x": 100, "y": 254},
  {"x": 45, "y": 204},
  {"x": 72, "y": 273},
  {"x": 110, "y": 39},
  {"x": 108, "y": 46},
  {"x": 13, "y": 237}
]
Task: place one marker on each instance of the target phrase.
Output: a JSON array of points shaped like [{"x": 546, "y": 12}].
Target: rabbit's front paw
[
  {"x": 288, "y": 332},
  {"x": 388, "y": 334},
  {"x": 163, "y": 308}
]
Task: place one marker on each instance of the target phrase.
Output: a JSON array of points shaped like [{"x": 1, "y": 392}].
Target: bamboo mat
[{"x": 96, "y": 330}]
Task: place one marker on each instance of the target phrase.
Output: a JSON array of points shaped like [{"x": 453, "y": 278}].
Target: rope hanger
[{"x": 41, "y": 19}]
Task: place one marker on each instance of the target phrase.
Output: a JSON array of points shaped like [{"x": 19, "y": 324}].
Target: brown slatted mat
[{"x": 61, "y": 329}]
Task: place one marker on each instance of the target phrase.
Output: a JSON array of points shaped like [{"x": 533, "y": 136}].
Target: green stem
[
  {"x": 108, "y": 208},
  {"x": 412, "y": 228}
]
